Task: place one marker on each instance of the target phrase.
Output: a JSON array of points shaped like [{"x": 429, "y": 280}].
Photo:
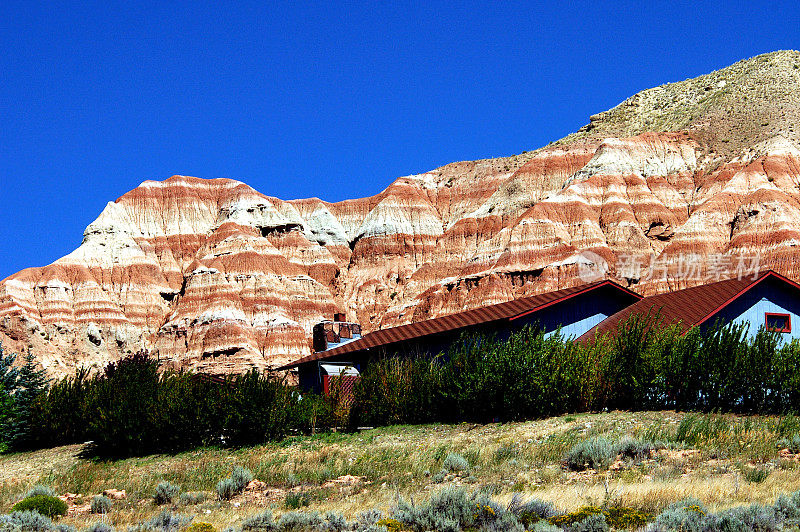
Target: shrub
[
  {"x": 42, "y": 504},
  {"x": 8, "y": 526},
  {"x": 530, "y": 511},
  {"x": 241, "y": 477},
  {"x": 235, "y": 484},
  {"x": 505, "y": 452},
  {"x": 189, "y": 499},
  {"x": 397, "y": 390},
  {"x": 633, "y": 448},
  {"x": 300, "y": 521},
  {"x": 226, "y": 489},
  {"x": 295, "y": 500},
  {"x": 336, "y": 522},
  {"x": 100, "y": 504},
  {"x": 99, "y": 527},
  {"x": 686, "y": 515},
  {"x": 724, "y": 522},
  {"x": 755, "y": 517},
  {"x": 166, "y": 521},
  {"x": 621, "y": 517},
  {"x": 592, "y": 523},
  {"x": 576, "y": 516},
  {"x": 595, "y": 453},
  {"x": 453, "y": 509},
  {"x": 756, "y": 475},
  {"x": 262, "y": 521},
  {"x": 166, "y": 493},
  {"x": 391, "y": 525},
  {"x": 791, "y": 443},
  {"x": 368, "y": 518},
  {"x": 39, "y": 489},
  {"x": 201, "y": 527},
  {"x": 455, "y": 463},
  {"x": 59, "y": 416},
  {"x": 544, "y": 526},
  {"x": 28, "y": 521},
  {"x": 786, "y": 507}
]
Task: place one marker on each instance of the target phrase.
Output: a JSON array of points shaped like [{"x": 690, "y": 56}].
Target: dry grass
[
  {"x": 729, "y": 109},
  {"x": 708, "y": 457}
]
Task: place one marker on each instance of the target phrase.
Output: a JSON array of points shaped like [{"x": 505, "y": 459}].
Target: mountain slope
[{"x": 217, "y": 277}]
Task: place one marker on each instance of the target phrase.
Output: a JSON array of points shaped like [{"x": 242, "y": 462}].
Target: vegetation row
[
  {"x": 455, "y": 509},
  {"x": 132, "y": 408}
]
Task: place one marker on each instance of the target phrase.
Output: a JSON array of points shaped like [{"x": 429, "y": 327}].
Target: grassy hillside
[
  {"x": 729, "y": 109},
  {"x": 722, "y": 460}
]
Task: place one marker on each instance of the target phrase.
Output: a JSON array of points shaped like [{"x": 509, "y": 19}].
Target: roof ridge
[{"x": 510, "y": 309}]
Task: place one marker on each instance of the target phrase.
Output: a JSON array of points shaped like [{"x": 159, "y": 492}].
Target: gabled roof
[
  {"x": 689, "y": 307},
  {"x": 509, "y": 310}
]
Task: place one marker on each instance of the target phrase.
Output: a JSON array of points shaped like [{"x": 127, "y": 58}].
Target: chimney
[
  {"x": 339, "y": 316},
  {"x": 320, "y": 341}
]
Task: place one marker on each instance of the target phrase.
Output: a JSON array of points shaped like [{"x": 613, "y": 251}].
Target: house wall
[
  {"x": 771, "y": 295},
  {"x": 575, "y": 316}
]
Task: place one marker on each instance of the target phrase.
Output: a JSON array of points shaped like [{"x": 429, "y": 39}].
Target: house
[
  {"x": 574, "y": 310},
  {"x": 767, "y": 299}
]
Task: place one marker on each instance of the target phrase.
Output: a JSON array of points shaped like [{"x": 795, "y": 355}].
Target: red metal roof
[
  {"x": 509, "y": 310},
  {"x": 689, "y": 307}
]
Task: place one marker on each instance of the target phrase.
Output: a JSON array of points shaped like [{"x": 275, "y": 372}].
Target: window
[{"x": 781, "y": 323}]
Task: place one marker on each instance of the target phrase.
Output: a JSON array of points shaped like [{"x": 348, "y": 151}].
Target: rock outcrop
[{"x": 215, "y": 276}]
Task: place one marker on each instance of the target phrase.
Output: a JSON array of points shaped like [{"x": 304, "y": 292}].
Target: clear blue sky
[{"x": 309, "y": 99}]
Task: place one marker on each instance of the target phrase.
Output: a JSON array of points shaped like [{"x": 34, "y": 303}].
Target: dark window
[{"x": 778, "y": 322}]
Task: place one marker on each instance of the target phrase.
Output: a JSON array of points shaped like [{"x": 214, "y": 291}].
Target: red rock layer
[{"x": 217, "y": 277}]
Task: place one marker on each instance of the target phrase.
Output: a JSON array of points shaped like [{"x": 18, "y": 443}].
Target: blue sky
[{"x": 306, "y": 99}]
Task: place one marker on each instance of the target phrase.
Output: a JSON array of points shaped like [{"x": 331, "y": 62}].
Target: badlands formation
[{"x": 215, "y": 276}]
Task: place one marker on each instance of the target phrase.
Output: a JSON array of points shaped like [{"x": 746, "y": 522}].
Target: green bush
[
  {"x": 594, "y": 453},
  {"x": 45, "y": 505},
  {"x": 792, "y": 443},
  {"x": 592, "y": 523},
  {"x": 531, "y": 511},
  {"x": 235, "y": 484},
  {"x": 262, "y": 521},
  {"x": 455, "y": 463},
  {"x": 296, "y": 500},
  {"x": 336, "y": 522},
  {"x": 755, "y": 475},
  {"x": 28, "y": 521},
  {"x": 453, "y": 508},
  {"x": 100, "y": 504},
  {"x": 300, "y": 522},
  {"x": 687, "y": 514},
  {"x": 59, "y": 416},
  {"x": 630, "y": 447},
  {"x": 166, "y": 493},
  {"x": 397, "y": 390}
]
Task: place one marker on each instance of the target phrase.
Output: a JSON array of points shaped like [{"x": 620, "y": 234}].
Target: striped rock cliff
[{"x": 678, "y": 185}]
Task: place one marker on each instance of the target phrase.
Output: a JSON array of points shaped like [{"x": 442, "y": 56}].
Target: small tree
[
  {"x": 8, "y": 381},
  {"x": 6, "y": 411},
  {"x": 30, "y": 386}
]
